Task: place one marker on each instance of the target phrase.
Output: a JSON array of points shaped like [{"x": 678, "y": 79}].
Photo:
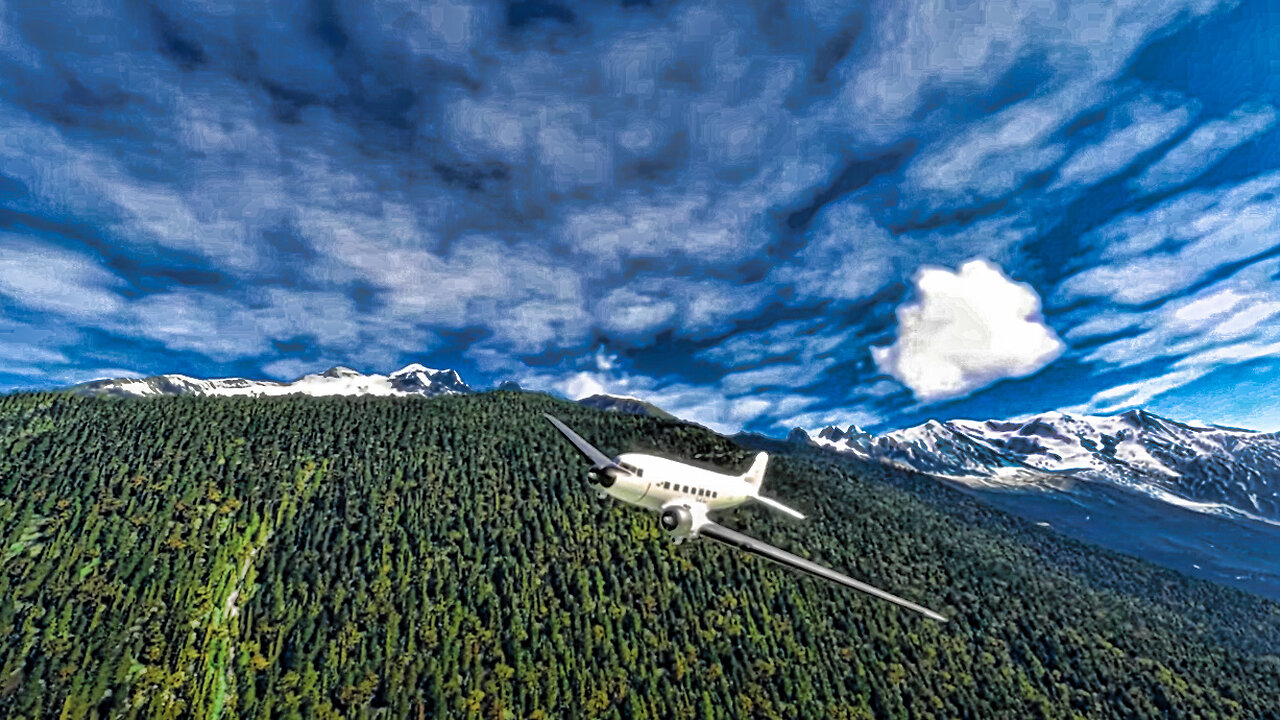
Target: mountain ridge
[
  {"x": 1198, "y": 499},
  {"x": 1216, "y": 470},
  {"x": 412, "y": 379}
]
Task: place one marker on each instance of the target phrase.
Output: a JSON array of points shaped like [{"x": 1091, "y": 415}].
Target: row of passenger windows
[{"x": 688, "y": 490}]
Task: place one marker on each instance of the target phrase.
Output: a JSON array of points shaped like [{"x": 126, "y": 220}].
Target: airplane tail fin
[{"x": 755, "y": 476}]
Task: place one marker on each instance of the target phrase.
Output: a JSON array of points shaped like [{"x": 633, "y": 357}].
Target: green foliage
[{"x": 403, "y": 558}]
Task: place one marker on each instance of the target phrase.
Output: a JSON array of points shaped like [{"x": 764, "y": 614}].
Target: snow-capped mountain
[
  {"x": 412, "y": 379},
  {"x": 1203, "y": 500},
  {"x": 1221, "y": 471}
]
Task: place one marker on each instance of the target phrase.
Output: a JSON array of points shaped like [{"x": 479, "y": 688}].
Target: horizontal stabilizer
[{"x": 779, "y": 506}]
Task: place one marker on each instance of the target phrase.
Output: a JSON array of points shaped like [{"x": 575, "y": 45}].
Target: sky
[{"x": 757, "y": 215}]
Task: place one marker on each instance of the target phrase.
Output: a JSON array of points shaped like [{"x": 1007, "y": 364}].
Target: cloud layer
[{"x": 746, "y": 204}]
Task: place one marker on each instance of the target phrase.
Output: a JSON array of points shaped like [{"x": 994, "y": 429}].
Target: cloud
[
  {"x": 1222, "y": 314},
  {"x": 1102, "y": 324},
  {"x": 1135, "y": 394},
  {"x": 1203, "y": 230},
  {"x": 1205, "y": 147},
  {"x": 626, "y": 312},
  {"x": 223, "y": 328},
  {"x": 47, "y": 278},
  {"x": 725, "y": 407},
  {"x": 966, "y": 330},
  {"x": 1181, "y": 374},
  {"x": 360, "y": 181},
  {"x": 290, "y": 369},
  {"x": 22, "y": 352},
  {"x": 1146, "y": 123},
  {"x": 848, "y": 255},
  {"x": 996, "y": 155},
  {"x": 785, "y": 375},
  {"x": 583, "y": 384}
]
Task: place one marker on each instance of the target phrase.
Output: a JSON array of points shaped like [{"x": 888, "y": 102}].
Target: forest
[{"x": 361, "y": 557}]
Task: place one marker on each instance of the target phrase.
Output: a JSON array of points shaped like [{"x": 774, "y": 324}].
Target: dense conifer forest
[{"x": 410, "y": 558}]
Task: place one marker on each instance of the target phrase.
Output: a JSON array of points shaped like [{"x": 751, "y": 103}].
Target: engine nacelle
[
  {"x": 678, "y": 521},
  {"x": 601, "y": 477}
]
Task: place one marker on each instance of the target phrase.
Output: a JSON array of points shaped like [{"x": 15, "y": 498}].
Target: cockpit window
[{"x": 630, "y": 468}]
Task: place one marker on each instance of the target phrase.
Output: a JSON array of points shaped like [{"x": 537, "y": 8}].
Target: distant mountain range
[
  {"x": 1205, "y": 500},
  {"x": 1220, "y": 471},
  {"x": 412, "y": 379}
]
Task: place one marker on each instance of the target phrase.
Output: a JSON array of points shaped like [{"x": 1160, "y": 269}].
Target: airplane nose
[
  {"x": 601, "y": 477},
  {"x": 629, "y": 488}
]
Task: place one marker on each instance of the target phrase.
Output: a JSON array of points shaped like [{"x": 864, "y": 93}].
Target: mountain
[
  {"x": 1228, "y": 472},
  {"x": 625, "y": 404},
  {"x": 1200, "y": 499},
  {"x": 412, "y": 379},
  {"x": 214, "y": 558}
]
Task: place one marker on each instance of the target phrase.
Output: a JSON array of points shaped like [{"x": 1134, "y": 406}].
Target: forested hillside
[{"x": 421, "y": 558}]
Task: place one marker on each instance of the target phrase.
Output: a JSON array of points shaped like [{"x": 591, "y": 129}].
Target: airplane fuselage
[{"x": 657, "y": 482}]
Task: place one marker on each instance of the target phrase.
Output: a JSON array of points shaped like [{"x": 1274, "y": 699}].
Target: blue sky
[{"x": 758, "y": 215}]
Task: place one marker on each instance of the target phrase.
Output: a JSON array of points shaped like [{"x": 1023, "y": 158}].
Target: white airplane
[{"x": 684, "y": 494}]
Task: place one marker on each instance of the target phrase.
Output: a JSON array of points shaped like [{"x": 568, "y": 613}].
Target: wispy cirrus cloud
[
  {"x": 1206, "y": 146},
  {"x": 1160, "y": 251},
  {"x": 1143, "y": 124},
  {"x": 46, "y": 278}
]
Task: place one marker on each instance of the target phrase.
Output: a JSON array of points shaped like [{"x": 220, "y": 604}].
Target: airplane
[{"x": 684, "y": 495}]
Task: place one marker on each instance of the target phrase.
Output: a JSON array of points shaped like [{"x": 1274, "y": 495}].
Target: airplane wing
[
  {"x": 735, "y": 539},
  {"x": 597, "y": 458}
]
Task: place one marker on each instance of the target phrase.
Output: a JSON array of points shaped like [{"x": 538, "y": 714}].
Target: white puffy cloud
[
  {"x": 966, "y": 330},
  {"x": 581, "y": 385}
]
